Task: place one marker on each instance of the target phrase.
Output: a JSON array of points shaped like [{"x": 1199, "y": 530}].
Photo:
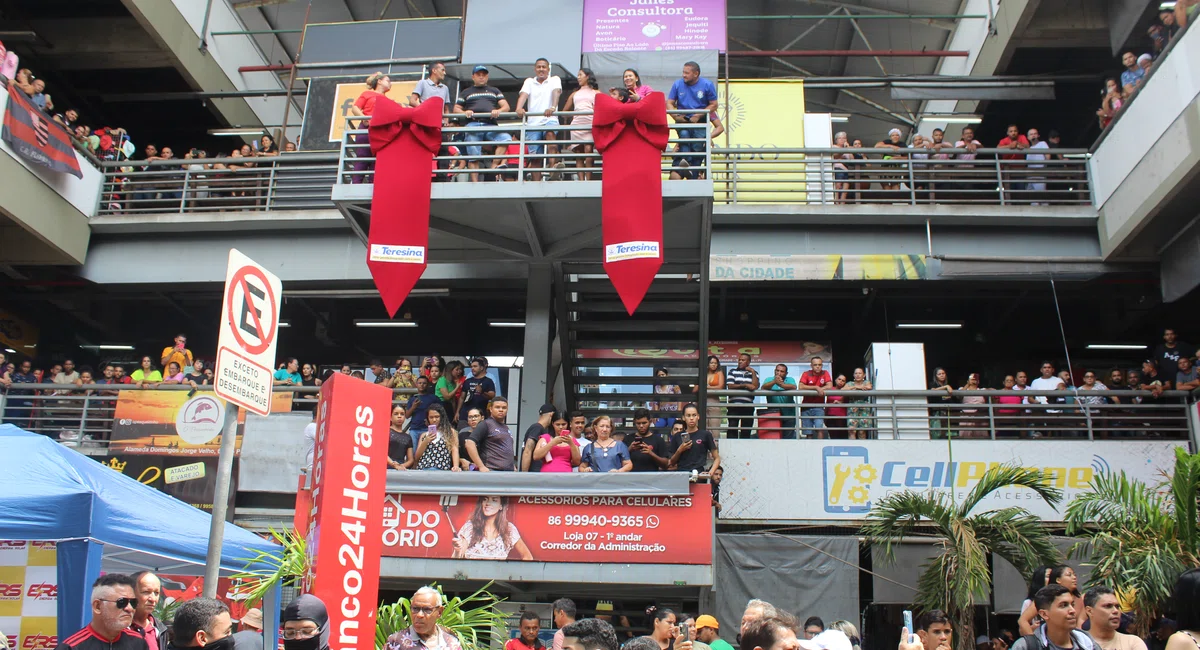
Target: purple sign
[{"x": 653, "y": 25}]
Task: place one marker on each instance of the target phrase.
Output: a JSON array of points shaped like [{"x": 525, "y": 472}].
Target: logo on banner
[
  {"x": 12, "y": 590},
  {"x": 402, "y": 254},
  {"x": 632, "y": 250},
  {"x": 43, "y": 591},
  {"x": 39, "y": 642},
  {"x": 849, "y": 477},
  {"x": 200, "y": 419}
]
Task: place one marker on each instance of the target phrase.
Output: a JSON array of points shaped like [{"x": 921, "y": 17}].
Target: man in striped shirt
[{"x": 741, "y": 409}]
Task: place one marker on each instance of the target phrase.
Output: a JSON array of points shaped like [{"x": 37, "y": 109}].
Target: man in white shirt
[
  {"x": 1046, "y": 418},
  {"x": 540, "y": 93},
  {"x": 1038, "y": 183}
]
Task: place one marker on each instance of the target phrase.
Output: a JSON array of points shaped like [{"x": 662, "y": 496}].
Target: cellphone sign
[{"x": 248, "y": 334}]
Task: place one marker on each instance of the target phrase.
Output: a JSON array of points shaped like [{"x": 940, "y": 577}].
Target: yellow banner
[
  {"x": 28, "y": 594},
  {"x": 346, "y": 95},
  {"x": 17, "y": 334},
  {"x": 761, "y": 115}
]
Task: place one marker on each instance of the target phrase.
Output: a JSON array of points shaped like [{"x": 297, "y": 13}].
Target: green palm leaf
[
  {"x": 472, "y": 619},
  {"x": 958, "y": 574}
]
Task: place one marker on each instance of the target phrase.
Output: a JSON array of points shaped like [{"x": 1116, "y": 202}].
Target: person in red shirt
[
  {"x": 378, "y": 84},
  {"x": 528, "y": 639},
  {"x": 1016, "y": 142},
  {"x": 812, "y": 416}
]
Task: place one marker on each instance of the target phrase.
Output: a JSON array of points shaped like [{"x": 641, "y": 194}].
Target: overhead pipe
[
  {"x": 866, "y": 17},
  {"x": 282, "y": 67},
  {"x": 255, "y": 32},
  {"x": 821, "y": 53}
]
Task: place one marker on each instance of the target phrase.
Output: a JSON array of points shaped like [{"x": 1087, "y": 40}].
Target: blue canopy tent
[{"x": 105, "y": 521}]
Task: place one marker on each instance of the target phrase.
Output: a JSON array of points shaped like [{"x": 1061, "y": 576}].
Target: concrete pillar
[{"x": 539, "y": 312}]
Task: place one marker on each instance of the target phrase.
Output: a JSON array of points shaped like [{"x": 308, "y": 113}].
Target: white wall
[{"x": 82, "y": 193}]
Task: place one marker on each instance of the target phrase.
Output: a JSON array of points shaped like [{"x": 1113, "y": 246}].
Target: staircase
[{"x": 609, "y": 357}]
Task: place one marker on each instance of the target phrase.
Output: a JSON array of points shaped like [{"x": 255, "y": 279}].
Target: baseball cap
[
  {"x": 982, "y": 639},
  {"x": 831, "y": 640},
  {"x": 479, "y": 68},
  {"x": 253, "y": 618},
  {"x": 1145, "y": 57},
  {"x": 707, "y": 621},
  {"x": 546, "y": 408}
]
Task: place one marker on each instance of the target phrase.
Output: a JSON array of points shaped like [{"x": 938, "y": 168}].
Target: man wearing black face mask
[
  {"x": 306, "y": 624},
  {"x": 202, "y": 623}
]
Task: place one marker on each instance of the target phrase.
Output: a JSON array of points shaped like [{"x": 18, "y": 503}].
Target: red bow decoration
[
  {"x": 631, "y": 139},
  {"x": 404, "y": 141}
]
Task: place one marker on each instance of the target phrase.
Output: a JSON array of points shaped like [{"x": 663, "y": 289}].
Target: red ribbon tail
[{"x": 633, "y": 280}]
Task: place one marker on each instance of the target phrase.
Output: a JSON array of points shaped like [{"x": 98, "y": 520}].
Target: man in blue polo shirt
[{"x": 691, "y": 92}]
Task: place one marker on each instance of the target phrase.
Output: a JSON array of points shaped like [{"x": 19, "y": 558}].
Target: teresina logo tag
[
  {"x": 402, "y": 254},
  {"x": 631, "y": 250}
]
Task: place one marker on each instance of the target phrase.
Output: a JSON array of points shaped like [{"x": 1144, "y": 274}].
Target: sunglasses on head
[{"x": 121, "y": 603}]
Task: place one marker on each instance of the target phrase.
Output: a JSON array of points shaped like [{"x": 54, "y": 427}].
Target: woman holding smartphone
[
  {"x": 605, "y": 454},
  {"x": 563, "y": 450},
  {"x": 438, "y": 447},
  {"x": 666, "y": 628}
]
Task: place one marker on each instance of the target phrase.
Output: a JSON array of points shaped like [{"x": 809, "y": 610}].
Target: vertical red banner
[{"x": 345, "y": 530}]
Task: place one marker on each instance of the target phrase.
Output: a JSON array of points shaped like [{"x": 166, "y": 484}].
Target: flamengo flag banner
[
  {"x": 345, "y": 523},
  {"x": 404, "y": 141},
  {"x": 631, "y": 139},
  {"x": 35, "y": 138}
]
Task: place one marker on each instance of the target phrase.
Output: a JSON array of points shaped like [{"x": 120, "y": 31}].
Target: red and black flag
[{"x": 32, "y": 136}]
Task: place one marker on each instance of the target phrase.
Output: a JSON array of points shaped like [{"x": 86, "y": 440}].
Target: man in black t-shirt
[
  {"x": 693, "y": 447},
  {"x": 1167, "y": 353},
  {"x": 647, "y": 449},
  {"x": 532, "y": 435},
  {"x": 477, "y": 390},
  {"x": 482, "y": 104}
]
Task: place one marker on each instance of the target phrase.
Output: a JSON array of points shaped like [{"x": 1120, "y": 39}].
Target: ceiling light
[
  {"x": 929, "y": 325},
  {"x": 1116, "y": 346},
  {"x": 839, "y": 118},
  {"x": 385, "y": 323},
  {"x": 791, "y": 324},
  {"x": 505, "y": 322},
  {"x": 962, "y": 119},
  {"x": 10, "y": 350},
  {"x": 284, "y": 323},
  {"x": 238, "y": 131},
  {"x": 108, "y": 346},
  {"x": 356, "y": 293}
]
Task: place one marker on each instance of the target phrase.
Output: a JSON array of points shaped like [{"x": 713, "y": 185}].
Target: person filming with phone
[{"x": 692, "y": 449}]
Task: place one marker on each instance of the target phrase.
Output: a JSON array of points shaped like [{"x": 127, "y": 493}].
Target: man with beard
[{"x": 202, "y": 623}]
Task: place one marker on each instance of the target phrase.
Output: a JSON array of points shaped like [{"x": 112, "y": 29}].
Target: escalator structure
[{"x": 610, "y": 357}]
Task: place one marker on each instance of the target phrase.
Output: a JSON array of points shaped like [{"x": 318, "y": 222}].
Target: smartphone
[
  {"x": 685, "y": 438},
  {"x": 908, "y": 623},
  {"x": 681, "y": 636},
  {"x": 844, "y": 493}
]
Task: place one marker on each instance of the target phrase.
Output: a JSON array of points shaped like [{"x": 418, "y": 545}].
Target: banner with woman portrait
[{"x": 624, "y": 529}]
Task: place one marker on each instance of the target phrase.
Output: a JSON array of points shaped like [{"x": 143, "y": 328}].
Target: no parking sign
[{"x": 248, "y": 337}]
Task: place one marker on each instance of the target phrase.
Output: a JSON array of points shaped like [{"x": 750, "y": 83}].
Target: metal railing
[
  {"x": 289, "y": 181},
  {"x": 508, "y": 149},
  {"x": 895, "y": 414},
  {"x": 840, "y": 176},
  {"x": 82, "y": 416},
  {"x": 304, "y": 181}
]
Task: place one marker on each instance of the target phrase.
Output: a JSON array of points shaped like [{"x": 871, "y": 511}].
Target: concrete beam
[
  {"x": 45, "y": 228},
  {"x": 539, "y": 314}
]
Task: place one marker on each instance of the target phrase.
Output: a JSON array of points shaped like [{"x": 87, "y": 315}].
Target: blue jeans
[
  {"x": 812, "y": 420},
  {"x": 482, "y": 136},
  {"x": 692, "y": 147}
]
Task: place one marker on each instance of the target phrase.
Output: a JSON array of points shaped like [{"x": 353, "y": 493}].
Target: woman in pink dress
[
  {"x": 583, "y": 99},
  {"x": 560, "y": 452}
]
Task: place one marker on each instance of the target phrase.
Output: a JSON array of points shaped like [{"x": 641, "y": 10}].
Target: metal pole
[
  {"x": 850, "y": 16},
  {"x": 926, "y": 54},
  {"x": 254, "y": 32},
  {"x": 287, "y": 103},
  {"x": 204, "y": 27},
  {"x": 216, "y": 530}
]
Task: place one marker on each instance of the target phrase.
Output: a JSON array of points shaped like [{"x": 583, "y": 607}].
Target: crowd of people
[
  {"x": 490, "y": 154},
  {"x": 442, "y": 405},
  {"x": 1055, "y": 615},
  {"x": 1136, "y": 68}
]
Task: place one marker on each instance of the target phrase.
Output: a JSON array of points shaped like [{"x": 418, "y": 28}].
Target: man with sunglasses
[
  {"x": 425, "y": 633},
  {"x": 113, "y": 604}
]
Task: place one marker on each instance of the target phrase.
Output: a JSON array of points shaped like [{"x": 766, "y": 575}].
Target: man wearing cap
[
  {"x": 707, "y": 631},
  {"x": 532, "y": 435},
  {"x": 250, "y": 637},
  {"x": 482, "y": 104}
]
